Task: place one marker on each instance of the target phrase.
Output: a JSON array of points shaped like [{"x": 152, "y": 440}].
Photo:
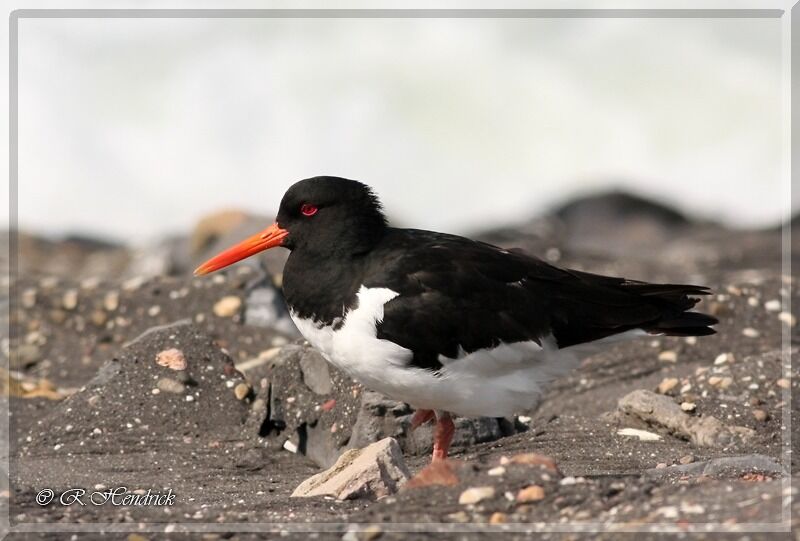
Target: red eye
[{"x": 308, "y": 209}]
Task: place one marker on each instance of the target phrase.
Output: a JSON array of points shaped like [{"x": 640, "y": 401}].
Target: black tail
[{"x": 676, "y": 301}]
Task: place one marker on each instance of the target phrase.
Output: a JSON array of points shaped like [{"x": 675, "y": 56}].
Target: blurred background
[{"x": 136, "y": 130}]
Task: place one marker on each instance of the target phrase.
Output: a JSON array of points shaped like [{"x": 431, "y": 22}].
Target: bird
[{"x": 449, "y": 325}]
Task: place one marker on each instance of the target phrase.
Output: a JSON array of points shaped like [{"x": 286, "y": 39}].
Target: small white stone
[
  {"x": 290, "y": 446},
  {"x": 773, "y": 306},
  {"x": 668, "y": 356},
  {"x": 723, "y": 358},
  {"x": 499, "y": 470},
  {"x": 788, "y": 318},
  {"x": 476, "y": 494},
  {"x": 189, "y": 398}
]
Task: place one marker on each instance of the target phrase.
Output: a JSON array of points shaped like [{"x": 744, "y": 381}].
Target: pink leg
[
  {"x": 421, "y": 417},
  {"x": 442, "y": 436}
]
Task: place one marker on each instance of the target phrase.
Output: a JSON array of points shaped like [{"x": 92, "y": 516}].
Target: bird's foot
[{"x": 442, "y": 435}]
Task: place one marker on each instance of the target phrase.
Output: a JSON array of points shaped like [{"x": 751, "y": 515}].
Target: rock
[
  {"x": 315, "y": 371},
  {"x": 661, "y": 411},
  {"x": 688, "y": 406},
  {"x": 668, "y": 356},
  {"x": 783, "y": 383},
  {"x": 439, "y": 473},
  {"x": 773, "y": 305},
  {"x": 98, "y": 317},
  {"x": 476, "y": 494},
  {"x": 70, "y": 299},
  {"x": 169, "y": 385},
  {"x": 227, "y": 306},
  {"x": 788, "y": 318},
  {"x": 760, "y": 415},
  {"x": 156, "y": 329},
  {"x": 172, "y": 358},
  {"x": 372, "y": 472},
  {"x": 533, "y": 493},
  {"x": 531, "y": 459},
  {"x": 28, "y": 298},
  {"x": 498, "y": 518},
  {"x": 499, "y": 470},
  {"x": 731, "y": 466},
  {"x": 26, "y": 355},
  {"x": 721, "y": 382},
  {"x": 723, "y": 358},
  {"x": 643, "y": 435},
  {"x": 264, "y": 307},
  {"x": 750, "y": 332},
  {"x": 667, "y": 384},
  {"x": 686, "y": 459},
  {"x": 154, "y": 310},
  {"x": 111, "y": 301},
  {"x": 241, "y": 391}
]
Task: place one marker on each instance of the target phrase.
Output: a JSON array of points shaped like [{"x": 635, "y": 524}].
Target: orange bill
[{"x": 269, "y": 238}]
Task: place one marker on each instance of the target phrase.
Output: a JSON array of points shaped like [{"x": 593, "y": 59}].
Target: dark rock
[
  {"x": 129, "y": 408},
  {"x": 265, "y": 307},
  {"x": 316, "y": 375},
  {"x": 729, "y": 466}
]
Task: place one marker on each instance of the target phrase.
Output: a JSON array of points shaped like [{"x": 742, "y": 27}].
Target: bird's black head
[
  {"x": 330, "y": 215},
  {"x": 324, "y": 216}
]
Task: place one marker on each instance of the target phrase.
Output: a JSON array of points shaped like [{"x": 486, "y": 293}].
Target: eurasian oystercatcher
[{"x": 444, "y": 323}]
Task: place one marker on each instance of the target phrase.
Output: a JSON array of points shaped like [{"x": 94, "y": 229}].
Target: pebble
[
  {"x": 460, "y": 516},
  {"x": 783, "y": 383},
  {"x": 688, "y": 406},
  {"x": 643, "y": 435},
  {"x": 723, "y": 358},
  {"x": 29, "y": 298},
  {"x": 227, "y": 306},
  {"x": 498, "y": 518},
  {"x": 750, "y": 332},
  {"x": 189, "y": 398},
  {"x": 721, "y": 382},
  {"x": 111, "y": 301},
  {"x": 773, "y": 306},
  {"x": 172, "y": 358},
  {"x": 241, "y": 391},
  {"x": 760, "y": 415},
  {"x": 753, "y": 301},
  {"x": 788, "y": 318},
  {"x": 99, "y": 318},
  {"x": 133, "y": 283},
  {"x": 169, "y": 385},
  {"x": 499, "y": 470},
  {"x": 371, "y": 532},
  {"x": 154, "y": 310},
  {"x": 533, "y": 493},
  {"x": 686, "y": 459},
  {"x": 475, "y": 495},
  {"x": 668, "y": 356},
  {"x": 667, "y": 384},
  {"x": 27, "y": 354},
  {"x": 70, "y": 299}
]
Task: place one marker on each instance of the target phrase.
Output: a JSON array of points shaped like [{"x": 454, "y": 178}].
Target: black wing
[{"x": 459, "y": 296}]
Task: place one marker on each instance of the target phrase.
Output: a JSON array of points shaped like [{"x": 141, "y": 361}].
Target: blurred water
[{"x": 134, "y": 128}]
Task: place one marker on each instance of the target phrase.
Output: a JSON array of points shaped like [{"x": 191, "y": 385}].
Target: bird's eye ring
[{"x": 308, "y": 209}]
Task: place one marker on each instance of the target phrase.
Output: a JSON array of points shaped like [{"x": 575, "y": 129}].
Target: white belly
[{"x": 496, "y": 382}]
